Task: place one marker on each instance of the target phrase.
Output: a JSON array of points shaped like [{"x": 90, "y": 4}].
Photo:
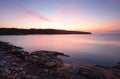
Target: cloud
[
  {"x": 34, "y": 15},
  {"x": 25, "y": 12}
]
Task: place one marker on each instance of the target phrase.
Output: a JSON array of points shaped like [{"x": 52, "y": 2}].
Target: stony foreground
[{"x": 18, "y": 64}]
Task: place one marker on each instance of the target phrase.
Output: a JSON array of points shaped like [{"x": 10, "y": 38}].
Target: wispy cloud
[
  {"x": 31, "y": 14},
  {"x": 34, "y": 15}
]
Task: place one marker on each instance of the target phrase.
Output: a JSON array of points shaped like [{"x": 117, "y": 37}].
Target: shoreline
[{"x": 15, "y": 63}]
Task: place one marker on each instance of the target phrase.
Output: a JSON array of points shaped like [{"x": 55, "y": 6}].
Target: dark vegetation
[{"x": 15, "y": 31}]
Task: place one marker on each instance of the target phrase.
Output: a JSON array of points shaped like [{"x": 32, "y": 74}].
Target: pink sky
[{"x": 95, "y": 16}]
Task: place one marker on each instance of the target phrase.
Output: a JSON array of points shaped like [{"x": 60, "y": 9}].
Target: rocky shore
[{"x": 15, "y": 63}]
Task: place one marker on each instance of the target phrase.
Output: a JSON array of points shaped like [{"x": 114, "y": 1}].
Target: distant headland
[{"x": 16, "y": 31}]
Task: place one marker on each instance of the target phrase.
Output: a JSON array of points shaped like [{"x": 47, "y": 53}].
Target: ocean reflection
[{"x": 92, "y": 49}]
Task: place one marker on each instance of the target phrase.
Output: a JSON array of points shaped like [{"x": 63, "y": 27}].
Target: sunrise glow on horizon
[{"x": 99, "y": 16}]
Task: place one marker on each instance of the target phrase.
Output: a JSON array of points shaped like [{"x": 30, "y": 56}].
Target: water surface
[{"x": 87, "y": 49}]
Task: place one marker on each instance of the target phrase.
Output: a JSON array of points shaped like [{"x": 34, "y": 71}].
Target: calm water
[{"x": 87, "y": 49}]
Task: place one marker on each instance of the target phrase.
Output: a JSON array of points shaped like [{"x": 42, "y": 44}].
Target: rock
[
  {"x": 2, "y": 76},
  {"x": 102, "y": 66},
  {"x": 51, "y": 53},
  {"x": 45, "y": 58},
  {"x": 18, "y": 64},
  {"x": 5, "y": 46},
  {"x": 91, "y": 73},
  {"x": 2, "y": 63},
  {"x": 20, "y": 53},
  {"x": 117, "y": 66}
]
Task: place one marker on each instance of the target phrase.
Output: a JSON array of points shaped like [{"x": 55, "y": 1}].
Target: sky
[{"x": 98, "y": 16}]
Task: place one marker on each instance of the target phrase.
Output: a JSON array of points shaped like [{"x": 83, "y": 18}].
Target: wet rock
[
  {"x": 102, "y": 66},
  {"x": 117, "y": 66},
  {"x": 46, "y": 58},
  {"x": 91, "y": 73},
  {"x": 48, "y": 53},
  {"x": 2, "y": 76},
  {"x": 5, "y": 46},
  {"x": 20, "y": 54}
]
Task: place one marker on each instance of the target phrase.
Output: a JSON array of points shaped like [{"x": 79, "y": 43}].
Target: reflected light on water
[{"x": 93, "y": 49}]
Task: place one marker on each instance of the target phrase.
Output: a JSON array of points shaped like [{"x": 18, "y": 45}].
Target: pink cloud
[
  {"x": 34, "y": 15},
  {"x": 25, "y": 12}
]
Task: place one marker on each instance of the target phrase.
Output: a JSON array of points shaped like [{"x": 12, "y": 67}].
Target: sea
[{"x": 102, "y": 49}]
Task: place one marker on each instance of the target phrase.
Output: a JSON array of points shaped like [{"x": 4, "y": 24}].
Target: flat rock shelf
[{"x": 15, "y": 63}]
